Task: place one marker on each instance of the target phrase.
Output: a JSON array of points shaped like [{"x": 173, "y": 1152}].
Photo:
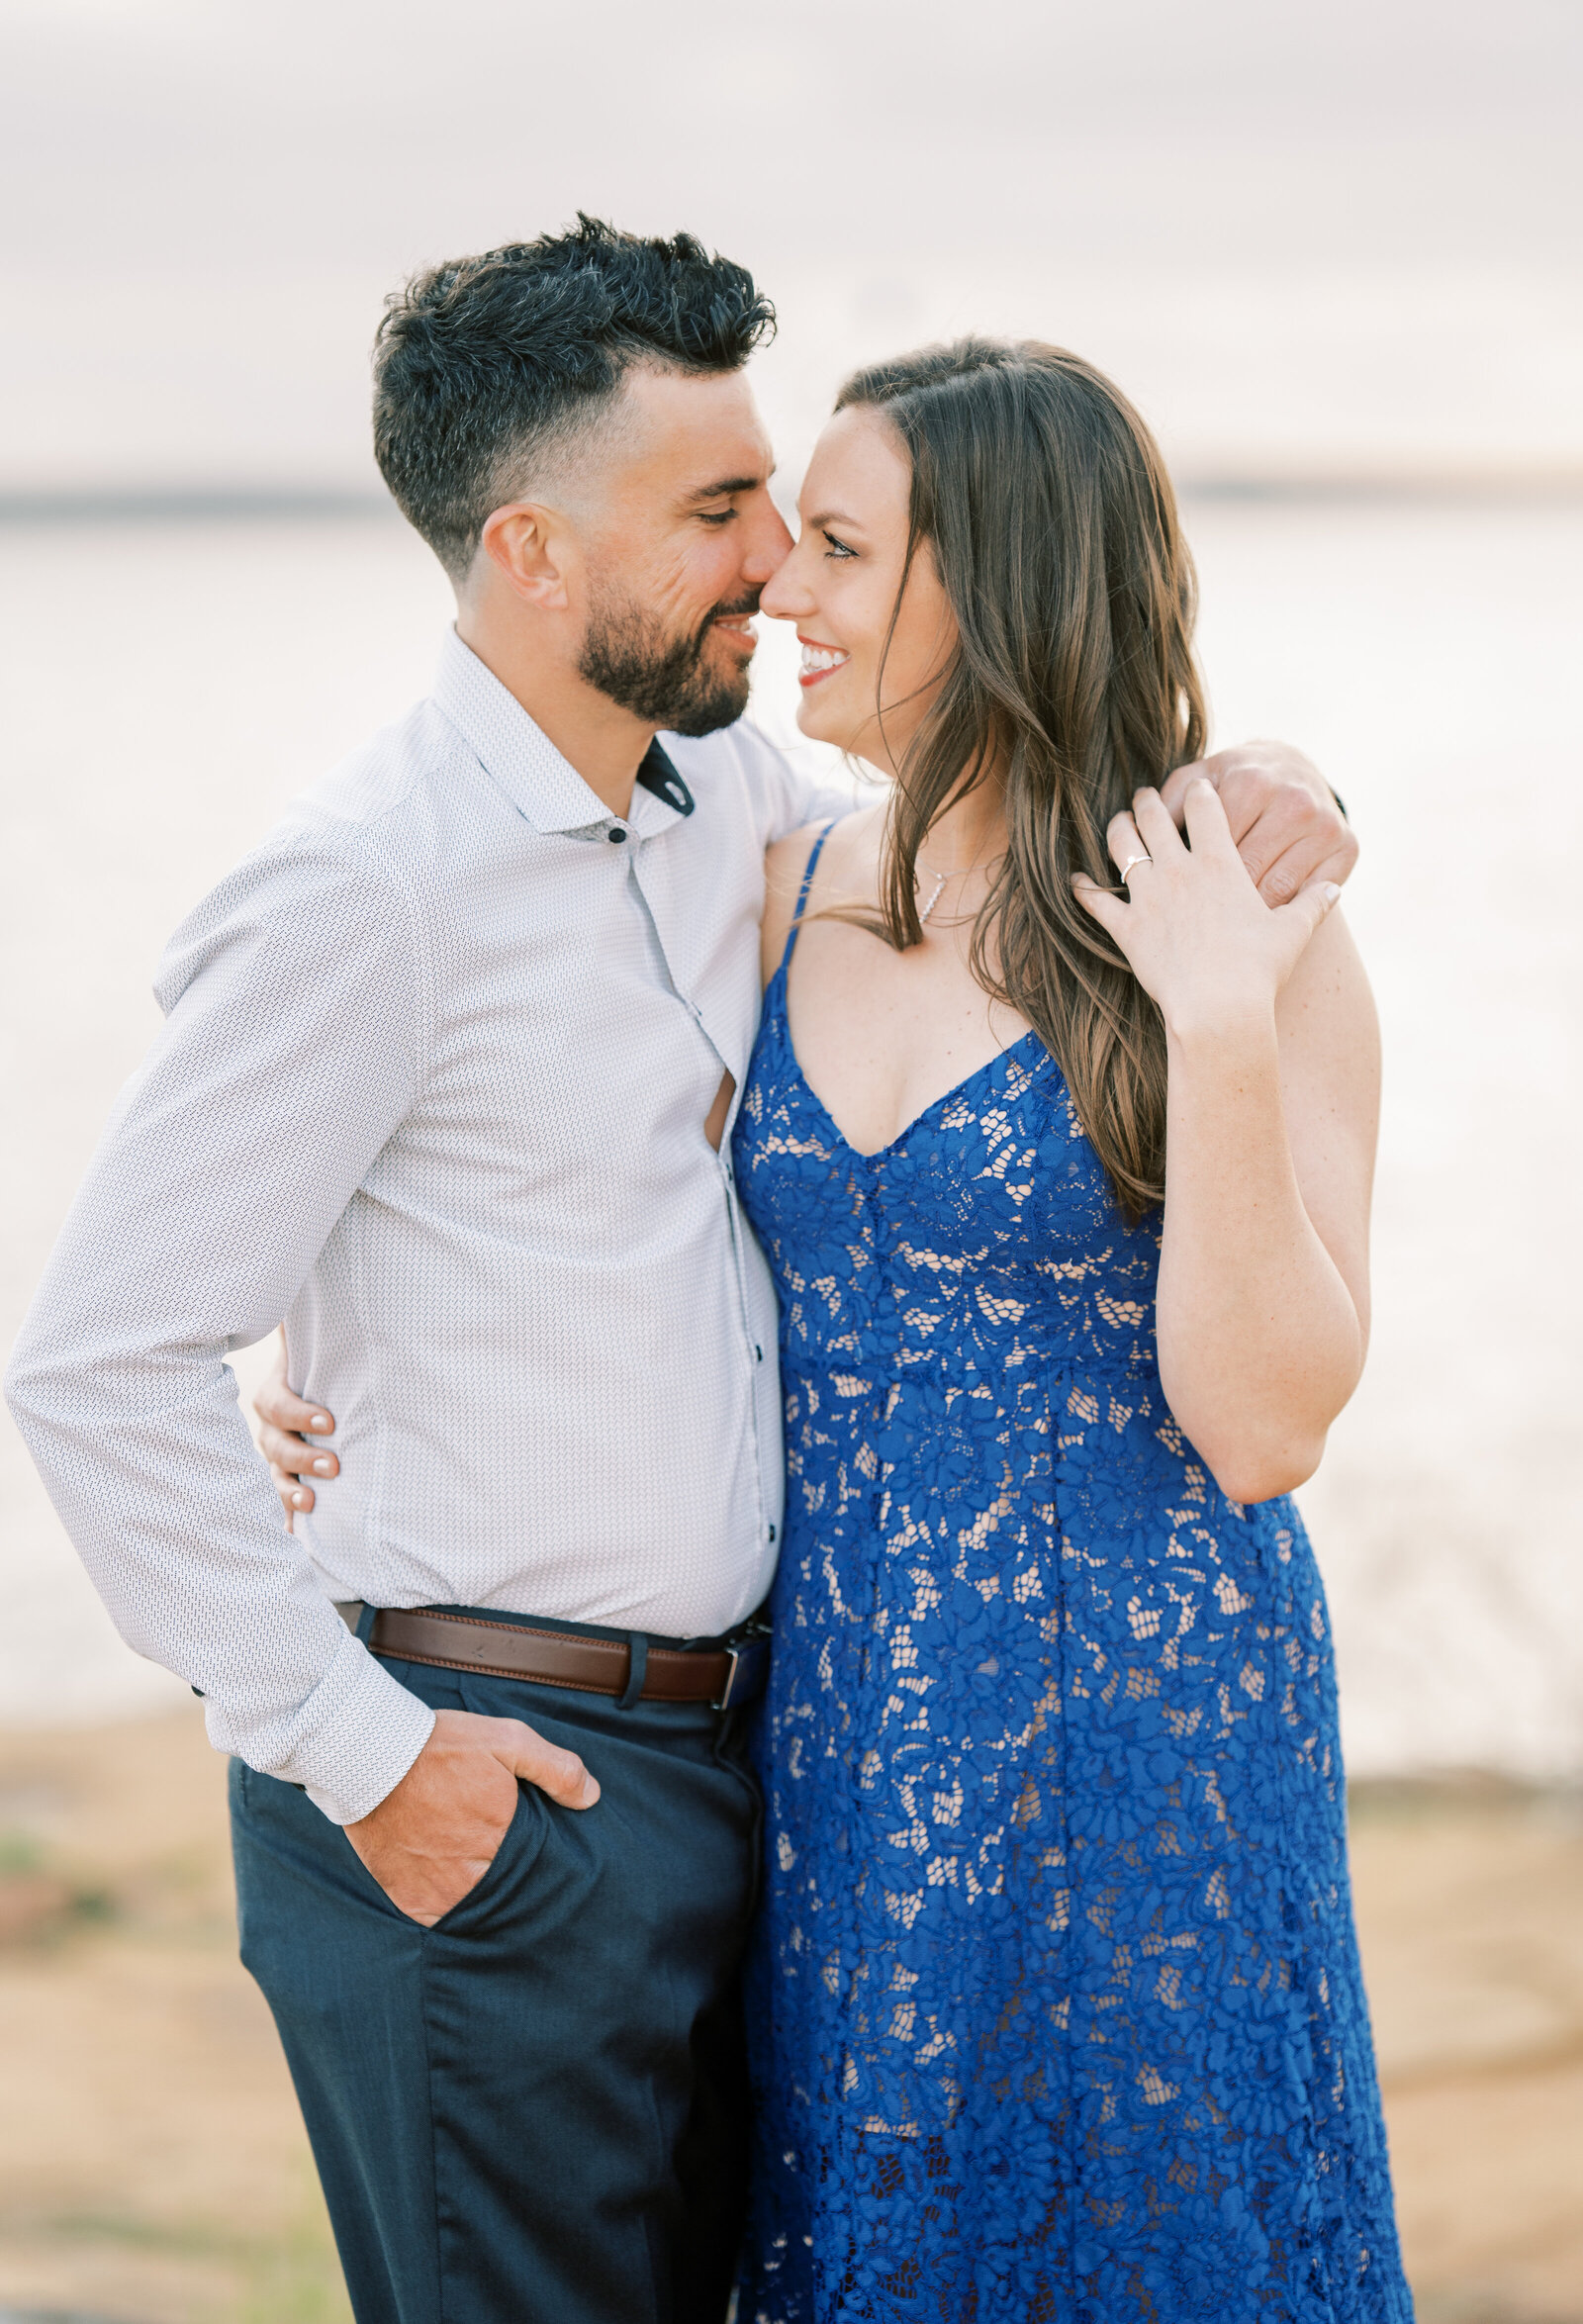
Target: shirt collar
[
  {"x": 658, "y": 775},
  {"x": 544, "y": 788}
]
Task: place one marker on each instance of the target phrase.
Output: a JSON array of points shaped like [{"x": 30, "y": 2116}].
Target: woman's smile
[{"x": 818, "y": 661}]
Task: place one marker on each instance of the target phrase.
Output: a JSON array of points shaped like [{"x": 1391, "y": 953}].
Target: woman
[{"x": 1060, "y": 1144}]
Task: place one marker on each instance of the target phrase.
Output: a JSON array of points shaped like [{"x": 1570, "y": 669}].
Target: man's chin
[{"x": 721, "y": 706}]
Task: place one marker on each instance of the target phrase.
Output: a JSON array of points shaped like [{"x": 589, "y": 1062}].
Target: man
[{"x": 447, "y": 1082}]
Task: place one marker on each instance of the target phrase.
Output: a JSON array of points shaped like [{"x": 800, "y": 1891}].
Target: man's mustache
[{"x": 701, "y": 636}]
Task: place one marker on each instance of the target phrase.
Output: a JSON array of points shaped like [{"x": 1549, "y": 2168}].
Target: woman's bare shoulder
[
  {"x": 785, "y": 859},
  {"x": 785, "y": 862}
]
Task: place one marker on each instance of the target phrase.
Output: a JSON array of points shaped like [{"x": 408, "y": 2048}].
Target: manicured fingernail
[
  {"x": 320, "y": 1423},
  {"x": 321, "y": 1468},
  {"x": 299, "y": 1501},
  {"x": 1328, "y": 891}
]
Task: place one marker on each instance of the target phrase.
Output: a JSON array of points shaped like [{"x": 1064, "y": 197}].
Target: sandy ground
[{"x": 152, "y": 2168}]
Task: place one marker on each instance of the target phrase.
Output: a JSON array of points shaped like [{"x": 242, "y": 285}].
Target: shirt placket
[{"x": 751, "y": 1351}]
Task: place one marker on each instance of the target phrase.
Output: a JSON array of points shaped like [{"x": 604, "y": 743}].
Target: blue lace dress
[{"x": 1056, "y": 2003}]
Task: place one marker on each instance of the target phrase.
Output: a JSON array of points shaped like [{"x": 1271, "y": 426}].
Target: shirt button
[{"x": 616, "y": 834}]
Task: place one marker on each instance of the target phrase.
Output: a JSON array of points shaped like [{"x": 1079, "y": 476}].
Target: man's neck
[{"x": 605, "y": 743}]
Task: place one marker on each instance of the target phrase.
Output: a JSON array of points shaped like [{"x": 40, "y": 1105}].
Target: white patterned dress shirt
[{"x": 431, "y": 1087}]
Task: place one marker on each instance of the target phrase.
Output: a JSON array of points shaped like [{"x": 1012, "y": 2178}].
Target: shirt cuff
[{"x": 356, "y": 1737}]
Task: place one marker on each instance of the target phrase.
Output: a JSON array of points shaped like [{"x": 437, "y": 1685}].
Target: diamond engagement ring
[{"x": 1132, "y": 863}]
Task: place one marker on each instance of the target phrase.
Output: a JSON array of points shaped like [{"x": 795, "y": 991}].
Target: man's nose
[{"x": 772, "y": 546}]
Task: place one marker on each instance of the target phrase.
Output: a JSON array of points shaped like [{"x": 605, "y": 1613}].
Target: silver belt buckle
[{"x": 725, "y": 1703}]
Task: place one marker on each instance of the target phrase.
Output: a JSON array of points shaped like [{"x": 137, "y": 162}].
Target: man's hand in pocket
[{"x": 434, "y": 1837}]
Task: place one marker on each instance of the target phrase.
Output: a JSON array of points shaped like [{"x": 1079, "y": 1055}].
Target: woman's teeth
[{"x": 817, "y": 658}]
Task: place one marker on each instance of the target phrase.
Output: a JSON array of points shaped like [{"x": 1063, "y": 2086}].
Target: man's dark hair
[{"x": 483, "y": 363}]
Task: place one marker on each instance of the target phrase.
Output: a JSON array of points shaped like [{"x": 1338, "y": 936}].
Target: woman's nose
[
  {"x": 784, "y": 597},
  {"x": 770, "y": 547}
]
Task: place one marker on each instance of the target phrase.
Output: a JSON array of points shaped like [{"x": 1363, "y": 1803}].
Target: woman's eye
[{"x": 838, "y": 548}]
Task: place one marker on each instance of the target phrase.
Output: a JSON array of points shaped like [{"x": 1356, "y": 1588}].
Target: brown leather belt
[{"x": 726, "y": 1677}]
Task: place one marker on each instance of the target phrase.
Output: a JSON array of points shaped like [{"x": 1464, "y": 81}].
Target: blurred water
[{"x": 168, "y": 689}]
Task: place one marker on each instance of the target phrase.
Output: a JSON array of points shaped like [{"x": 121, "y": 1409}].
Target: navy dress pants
[{"x": 535, "y": 2111}]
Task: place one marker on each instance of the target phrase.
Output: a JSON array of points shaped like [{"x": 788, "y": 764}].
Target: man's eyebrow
[{"x": 725, "y": 488}]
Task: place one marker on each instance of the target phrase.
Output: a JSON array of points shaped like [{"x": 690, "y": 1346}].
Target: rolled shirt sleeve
[{"x": 295, "y": 1009}]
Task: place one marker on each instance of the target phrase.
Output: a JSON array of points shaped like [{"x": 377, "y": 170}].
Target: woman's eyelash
[{"x": 838, "y": 548}]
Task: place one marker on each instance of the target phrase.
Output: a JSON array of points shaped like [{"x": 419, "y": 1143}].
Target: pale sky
[{"x": 1344, "y": 235}]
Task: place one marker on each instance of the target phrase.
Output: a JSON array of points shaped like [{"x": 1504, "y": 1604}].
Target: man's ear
[{"x": 532, "y": 547}]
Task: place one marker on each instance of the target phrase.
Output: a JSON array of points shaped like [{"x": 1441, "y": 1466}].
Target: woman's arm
[{"x": 1263, "y": 1301}]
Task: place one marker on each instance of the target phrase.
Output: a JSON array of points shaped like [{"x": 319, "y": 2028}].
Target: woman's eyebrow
[{"x": 828, "y": 517}]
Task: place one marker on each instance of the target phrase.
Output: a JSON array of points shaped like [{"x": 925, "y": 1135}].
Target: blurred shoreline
[{"x": 1546, "y": 484}]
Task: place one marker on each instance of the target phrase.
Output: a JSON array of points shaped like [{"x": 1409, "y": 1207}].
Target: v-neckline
[{"x": 947, "y": 1098}]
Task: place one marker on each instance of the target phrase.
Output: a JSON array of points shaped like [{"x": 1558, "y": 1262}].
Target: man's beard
[{"x": 662, "y": 680}]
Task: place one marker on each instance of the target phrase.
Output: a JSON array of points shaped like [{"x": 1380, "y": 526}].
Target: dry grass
[{"x": 153, "y": 2168}]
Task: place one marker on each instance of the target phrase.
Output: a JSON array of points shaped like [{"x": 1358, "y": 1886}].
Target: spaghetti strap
[{"x": 809, "y": 868}]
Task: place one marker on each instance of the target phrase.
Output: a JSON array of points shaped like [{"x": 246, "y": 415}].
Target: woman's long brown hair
[{"x": 1054, "y": 527}]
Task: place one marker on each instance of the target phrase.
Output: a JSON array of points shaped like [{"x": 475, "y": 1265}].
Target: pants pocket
[{"x": 498, "y": 1891}]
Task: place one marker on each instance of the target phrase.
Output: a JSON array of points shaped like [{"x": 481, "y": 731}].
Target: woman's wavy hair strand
[{"x": 1051, "y": 520}]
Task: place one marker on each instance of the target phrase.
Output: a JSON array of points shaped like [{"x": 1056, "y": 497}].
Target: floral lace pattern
[{"x": 1055, "y": 2000}]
